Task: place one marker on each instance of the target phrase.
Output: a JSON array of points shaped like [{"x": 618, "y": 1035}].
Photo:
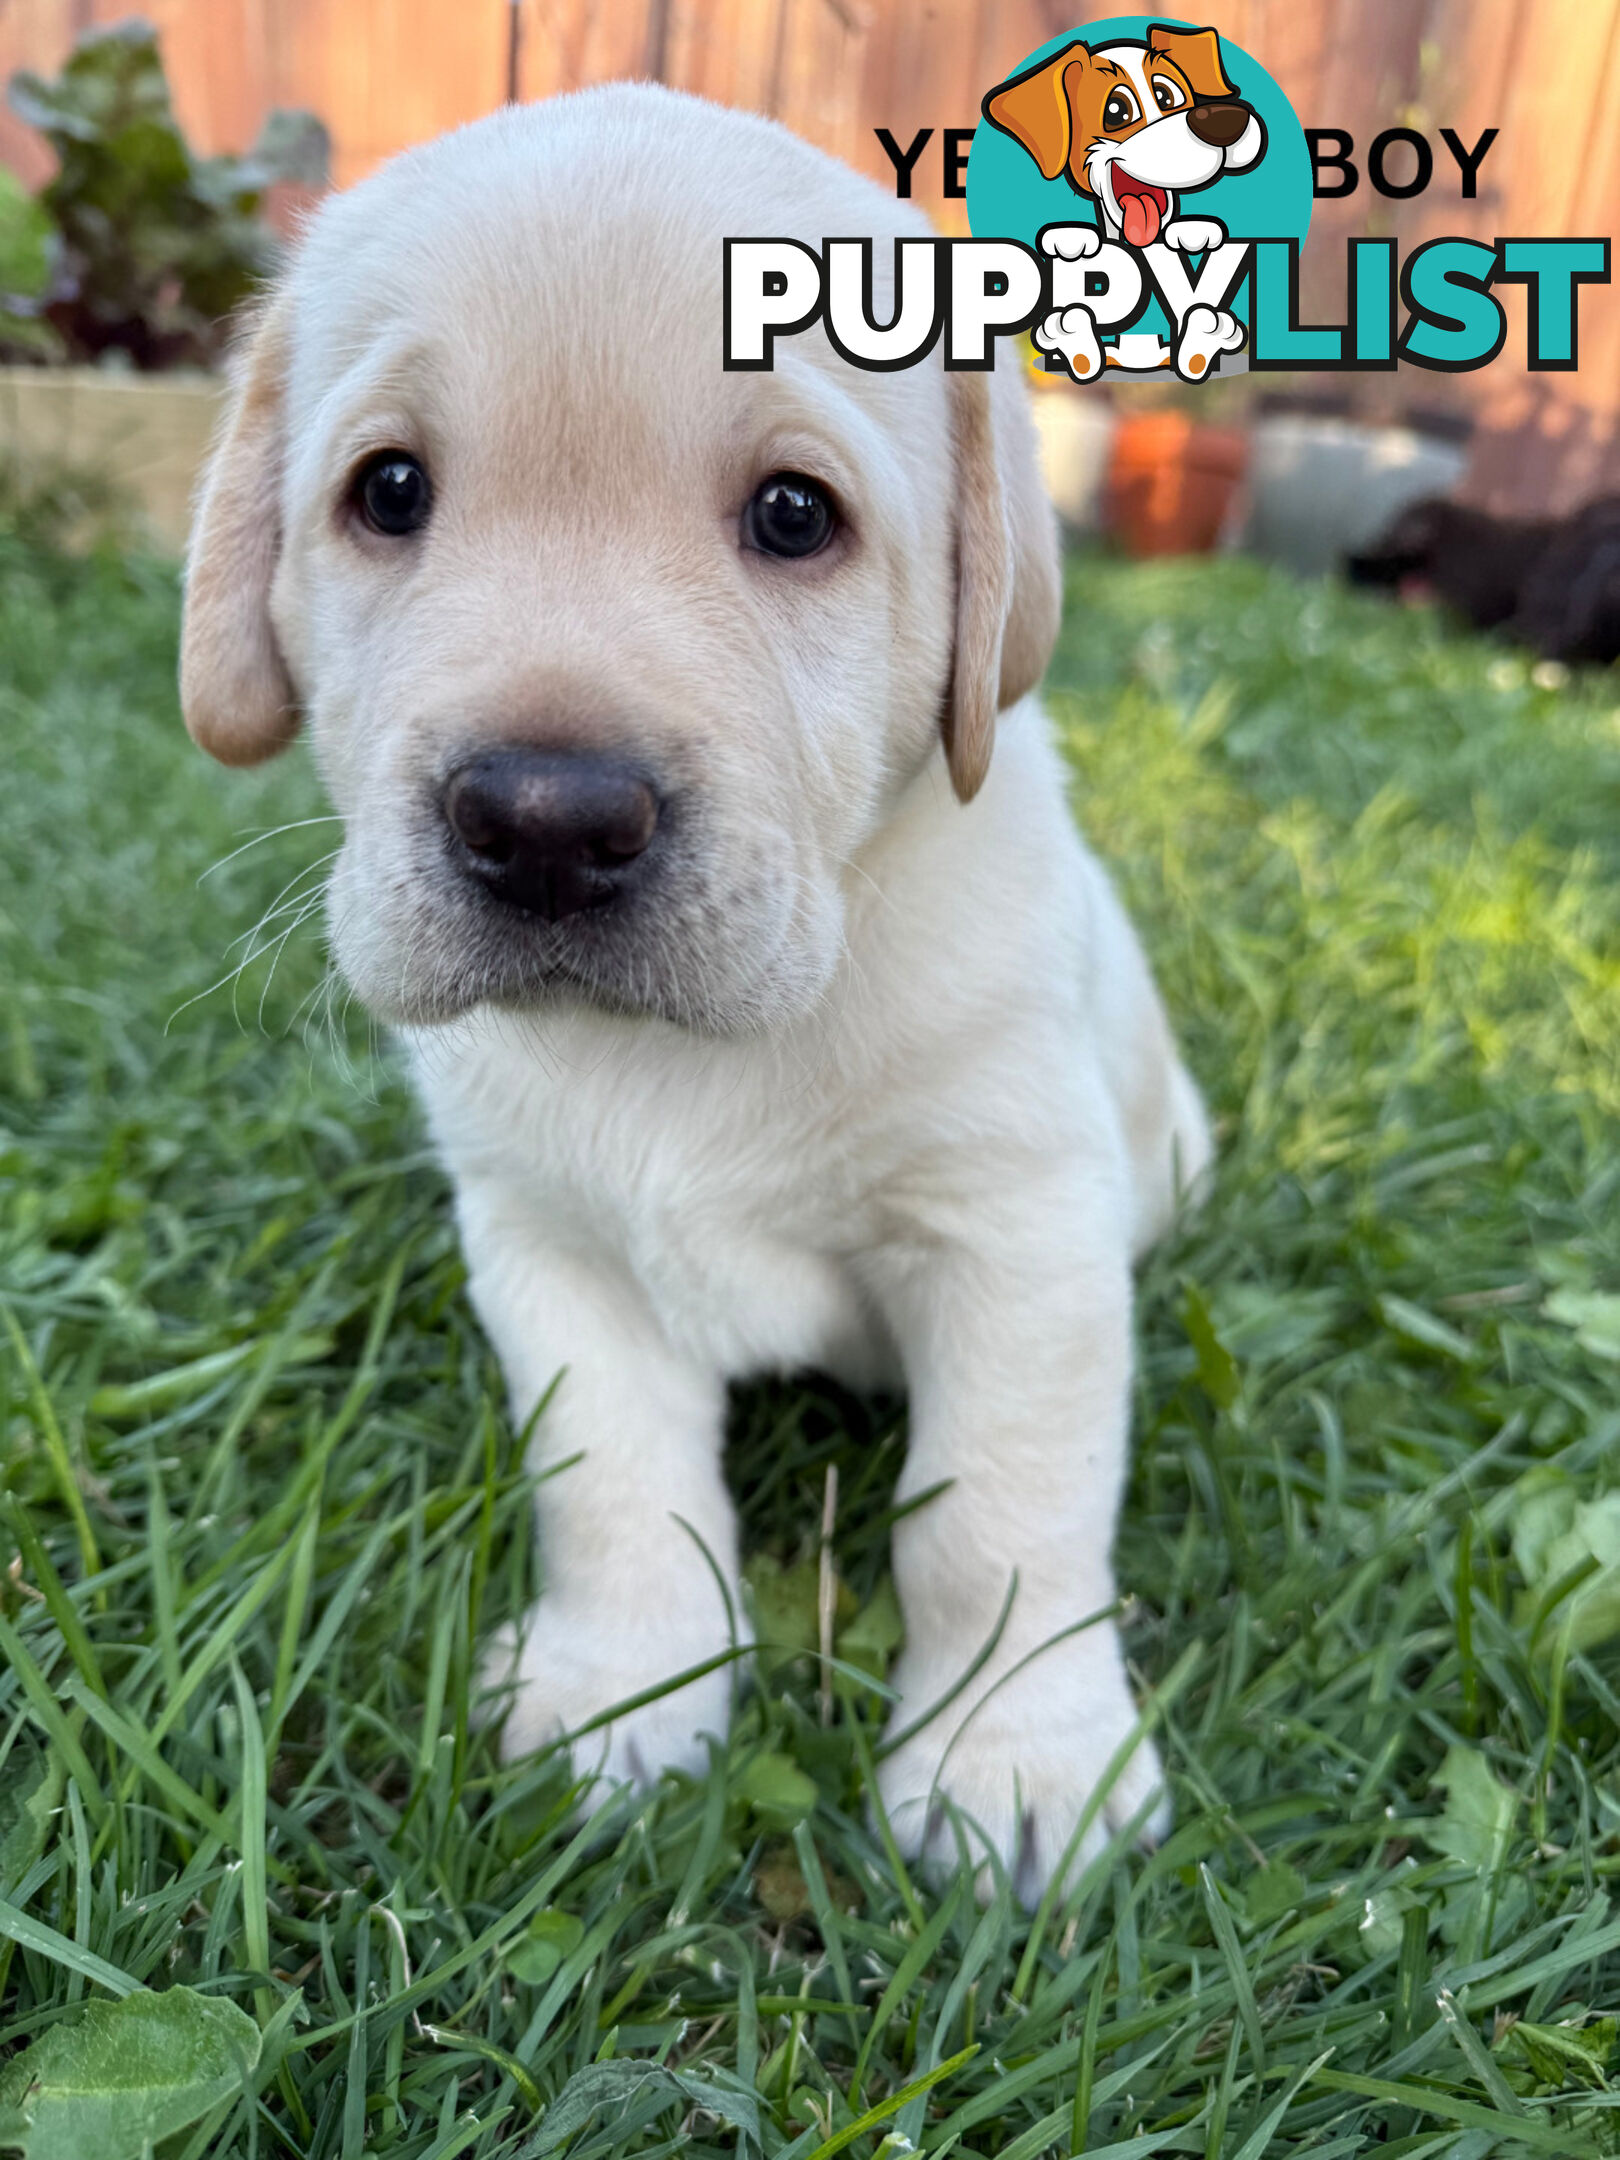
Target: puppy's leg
[
  {"x": 629, "y": 1598},
  {"x": 1017, "y": 1346},
  {"x": 1160, "y": 1111}
]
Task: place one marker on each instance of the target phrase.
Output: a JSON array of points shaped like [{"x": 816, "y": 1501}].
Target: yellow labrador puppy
[{"x": 763, "y": 1018}]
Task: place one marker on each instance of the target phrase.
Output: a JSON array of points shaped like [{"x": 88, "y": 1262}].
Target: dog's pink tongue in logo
[{"x": 1141, "y": 208}]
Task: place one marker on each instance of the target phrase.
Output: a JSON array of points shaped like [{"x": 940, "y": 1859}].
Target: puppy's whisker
[
  {"x": 273, "y": 832},
  {"x": 302, "y": 904},
  {"x": 866, "y": 878},
  {"x": 274, "y": 949},
  {"x": 295, "y": 894},
  {"x": 233, "y": 976}
]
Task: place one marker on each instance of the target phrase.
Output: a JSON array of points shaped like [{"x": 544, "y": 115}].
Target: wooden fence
[{"x": 1546, "y": 73}]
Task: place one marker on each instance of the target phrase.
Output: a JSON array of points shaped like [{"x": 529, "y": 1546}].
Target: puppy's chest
[
  {"x": 733, "y": 1217},
  {"x": 749, "y": 1274},
  {"x": 749, "y": 1297}
]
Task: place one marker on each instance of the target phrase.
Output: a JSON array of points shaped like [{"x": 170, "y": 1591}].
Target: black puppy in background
[{"x": 1550, "y": 583}]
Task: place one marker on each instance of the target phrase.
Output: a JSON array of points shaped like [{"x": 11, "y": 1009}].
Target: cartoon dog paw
[
  {"x": 1193, "y": 235},
  {"x": 1071, "y": 243},
  {"x": 1206, "y": 333},
  {"x": 1072, "y": 332}
]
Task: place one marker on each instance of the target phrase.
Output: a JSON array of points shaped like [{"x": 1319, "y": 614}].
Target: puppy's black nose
[
  {"x": 550, "y": 831},
  {"x": 1219, "y": 125}
]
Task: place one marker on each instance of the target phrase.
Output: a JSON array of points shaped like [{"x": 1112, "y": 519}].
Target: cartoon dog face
[{"x": 1133, "y": 125}]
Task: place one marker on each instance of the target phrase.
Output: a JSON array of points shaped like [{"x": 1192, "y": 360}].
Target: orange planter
[{"x": 1171, "y": 483}]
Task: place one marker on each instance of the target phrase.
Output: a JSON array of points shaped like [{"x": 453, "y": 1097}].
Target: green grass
[{"x": 261, "y": 1504}]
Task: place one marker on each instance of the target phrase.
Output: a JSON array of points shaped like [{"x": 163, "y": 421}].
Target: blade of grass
[
  {"x": 56, "y": 1447},
  {"x": 45, "y": 1942}
]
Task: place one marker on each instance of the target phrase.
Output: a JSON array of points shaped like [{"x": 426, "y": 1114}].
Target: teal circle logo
[{"x": 1141, "y": 159}]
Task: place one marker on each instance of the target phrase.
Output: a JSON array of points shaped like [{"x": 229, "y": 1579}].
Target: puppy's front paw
[
  {"x": 1021, "y": 1771},
  {"x": 564, "y": 1671}
]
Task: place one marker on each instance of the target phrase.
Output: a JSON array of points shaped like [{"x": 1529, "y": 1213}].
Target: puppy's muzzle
[
  {"x": 1219, "y": 124},
  {"x": 551, "y": 832}
]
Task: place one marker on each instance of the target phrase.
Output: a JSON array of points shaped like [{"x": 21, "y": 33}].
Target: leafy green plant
[
  {"x": 150, "y": 247},
  {"x": 25, "y": 272},
  {"x": 115, "y": 2077}
]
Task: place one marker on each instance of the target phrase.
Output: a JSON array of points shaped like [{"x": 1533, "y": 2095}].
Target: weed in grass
[{"x": 260, "y": 1506}]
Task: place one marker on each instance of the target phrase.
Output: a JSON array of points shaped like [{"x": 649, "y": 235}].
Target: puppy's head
[
  {"x": 612, "y": 660},
  {"x": 1132, "y": 125}
]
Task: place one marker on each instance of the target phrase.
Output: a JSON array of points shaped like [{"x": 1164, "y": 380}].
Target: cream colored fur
[{"x": 882, "y": 1085}]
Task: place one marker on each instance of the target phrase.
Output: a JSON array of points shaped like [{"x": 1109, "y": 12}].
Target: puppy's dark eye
[
  {"x": 1120, "y": 109},
  {"x": 788, "y": 515},
  {"x": 1166, "y": 94},
  {"x": 393, "y": 494}
]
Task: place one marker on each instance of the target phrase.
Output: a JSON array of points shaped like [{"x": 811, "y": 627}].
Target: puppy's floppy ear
[
  {"x": 234, "y": 688},
  {"x": 1036, "y": 111},
  {"x": 1009, "y": 595},
  {"x": 1198, "y": 55}
]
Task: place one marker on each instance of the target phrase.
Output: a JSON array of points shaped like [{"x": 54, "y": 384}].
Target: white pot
[
  {"x": 1319, "y": 489},
  {"x": 1076, "y": 432}
]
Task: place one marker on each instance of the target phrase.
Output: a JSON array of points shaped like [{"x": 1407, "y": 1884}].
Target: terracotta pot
[{"x": 1172, "y": 483}]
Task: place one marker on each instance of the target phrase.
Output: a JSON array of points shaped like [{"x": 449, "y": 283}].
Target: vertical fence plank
[
  {"x": 1551, "y": 440},
  {"x": 39, "y": 36}
]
